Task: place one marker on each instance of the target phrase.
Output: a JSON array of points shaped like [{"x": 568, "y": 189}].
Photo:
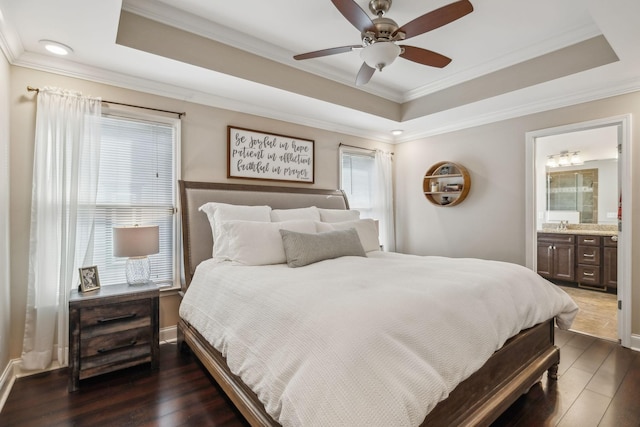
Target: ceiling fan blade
[
  {"x": 327, "y": 52},
  {"x": 355, "y": 15},
  {"x": 364, "y": 75},
  {"x": 436, "y": 18},
  {"x": 424, "y": 56}
]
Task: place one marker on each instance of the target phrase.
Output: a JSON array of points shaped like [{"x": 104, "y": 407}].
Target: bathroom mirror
[{"x": 577, "y": 177}]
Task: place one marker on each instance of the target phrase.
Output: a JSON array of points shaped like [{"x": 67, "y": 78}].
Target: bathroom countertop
[{"x": 582, "y": 229}]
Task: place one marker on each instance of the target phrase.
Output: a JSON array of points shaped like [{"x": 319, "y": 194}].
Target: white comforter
[{"x": 375, "y": 341}]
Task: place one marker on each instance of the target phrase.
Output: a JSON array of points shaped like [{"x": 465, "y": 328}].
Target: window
[
  {"x": 139, "y": 169},
  {"x": 357, "y": 173}
]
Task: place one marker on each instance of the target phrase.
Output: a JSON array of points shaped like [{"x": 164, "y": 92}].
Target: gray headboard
[{"x": 197, "y": 241}]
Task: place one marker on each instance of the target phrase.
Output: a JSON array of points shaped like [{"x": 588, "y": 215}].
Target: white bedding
[{"x": 356, "y": 341}]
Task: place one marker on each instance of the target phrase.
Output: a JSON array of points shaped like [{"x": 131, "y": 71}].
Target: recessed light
[
  {"x": 56, "y": 48},
  {"x": 397, "y": 132}
]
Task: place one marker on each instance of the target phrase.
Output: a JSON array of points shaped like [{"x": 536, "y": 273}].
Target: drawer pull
[
  {"x": 118, "y": 347},
  {"x": 588, "y": 274},
  {"x": 589, "y": 255},
  {"x": 114, "y": 319},
  {"x": 589, "y": 240}
]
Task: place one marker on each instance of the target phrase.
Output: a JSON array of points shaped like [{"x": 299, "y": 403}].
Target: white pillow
[
  {"x": 219, "y": 212},
  {"x": 366, "y": 228},
  {"x": 259, "y": 243},
  {"x": 310, "y": 213},
  {"x": 338, "y": 215}
]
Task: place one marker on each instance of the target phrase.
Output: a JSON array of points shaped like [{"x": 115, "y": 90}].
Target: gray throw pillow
[{"x": 302, "y": 248}]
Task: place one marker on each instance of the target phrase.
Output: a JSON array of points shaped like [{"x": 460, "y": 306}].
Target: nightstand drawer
[
  {"x": 104, "y": 345},
  {"x": 113, "y": 318}
]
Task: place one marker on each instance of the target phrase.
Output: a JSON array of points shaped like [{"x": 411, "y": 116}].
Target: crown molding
[
  {"x": 168, "y": 15},
  {"x": 565, "y": 100},
  {"x": 568, "y": 38},
  {"x": 83, "y": 72}
]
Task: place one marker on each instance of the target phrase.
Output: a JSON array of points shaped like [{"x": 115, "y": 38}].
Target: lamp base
[{"x": 138, "y": 270}]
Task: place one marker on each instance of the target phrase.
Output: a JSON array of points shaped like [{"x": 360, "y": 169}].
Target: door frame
[{"x": 625, "y": 183}]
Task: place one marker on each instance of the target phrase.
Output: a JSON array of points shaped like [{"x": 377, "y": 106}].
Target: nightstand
[{"x": 112, "y": 328}]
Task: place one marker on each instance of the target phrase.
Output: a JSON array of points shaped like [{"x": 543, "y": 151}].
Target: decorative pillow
[
  {"x": 219, "y": 212},
  {"x": 366, "y": 228},
  {"x": 338, "y": 215},
  {"x": 310, "y": 213},
  {"x": 258, "y": 243},
  {"x": 302, "y": 249}
]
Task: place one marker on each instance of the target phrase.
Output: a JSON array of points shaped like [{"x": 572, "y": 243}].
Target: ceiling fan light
[{"x": 379, "y": 55}]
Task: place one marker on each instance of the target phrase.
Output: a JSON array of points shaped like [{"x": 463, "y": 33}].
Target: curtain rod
[
  {"x": 359, "y": 148},
  {"x": 37, "y": 90}
]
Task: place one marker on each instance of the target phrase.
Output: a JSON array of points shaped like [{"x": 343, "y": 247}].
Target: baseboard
[
  {"x": 7, "y": 379},
  {"x": 635, "y": 342},
  {"x": 169, "y": 334},
  {"x": 13, "y": 370}
]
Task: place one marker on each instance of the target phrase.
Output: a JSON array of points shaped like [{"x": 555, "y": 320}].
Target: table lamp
[{"x": 136, "y": 242}]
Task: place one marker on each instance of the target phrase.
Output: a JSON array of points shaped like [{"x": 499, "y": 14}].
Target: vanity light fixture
[
  {"x": 56, "y": 48},
  {"x": 565, "y": 158}
]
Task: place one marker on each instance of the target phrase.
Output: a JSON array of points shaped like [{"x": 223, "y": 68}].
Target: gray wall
[
  {"x": 204, "y": 148},
  {"x": 490, "y": 223},
  {"x": 5, "y": 300}
]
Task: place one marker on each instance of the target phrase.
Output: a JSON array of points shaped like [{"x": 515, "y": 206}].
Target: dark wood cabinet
[
  {"x": 610, "y": 262},
  {"x": 556, "y": 256},
  {"x": 589, "y": 260},
  {"x": 112, "y": 328}
]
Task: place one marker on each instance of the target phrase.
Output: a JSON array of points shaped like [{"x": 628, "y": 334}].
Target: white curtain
[
  {"x": 67, "y": 145},
  {"x": 383, "y": 200}
]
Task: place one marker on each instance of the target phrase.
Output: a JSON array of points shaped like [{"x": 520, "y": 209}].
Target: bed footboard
[
  {"x": 477, "y": 401},
  {"x": 506, "y": 376}
]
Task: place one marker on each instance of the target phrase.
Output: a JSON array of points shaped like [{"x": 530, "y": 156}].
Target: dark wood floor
[{"x": 599, "y": 385}]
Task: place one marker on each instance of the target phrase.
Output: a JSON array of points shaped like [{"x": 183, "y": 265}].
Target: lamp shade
[
  {"x": 380, "y": 54},
  {"x": 136, "y": 241}
]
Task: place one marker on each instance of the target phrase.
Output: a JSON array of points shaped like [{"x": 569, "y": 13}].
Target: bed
[{"x": 477, "y": 400}]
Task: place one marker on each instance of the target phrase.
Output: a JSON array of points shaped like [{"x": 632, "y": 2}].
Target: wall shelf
[{"x": 446, "y": 184}]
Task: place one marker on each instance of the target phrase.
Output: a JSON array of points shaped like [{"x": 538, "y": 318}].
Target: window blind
[
  {"x": 136, "y": 185},
  {"x": 357, "y": 180}
]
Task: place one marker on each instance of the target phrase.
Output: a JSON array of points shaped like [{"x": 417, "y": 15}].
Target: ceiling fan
[{"x": 379, "y": 35}]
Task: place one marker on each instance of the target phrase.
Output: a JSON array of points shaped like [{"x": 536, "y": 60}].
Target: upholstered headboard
[{"x": 197, "y": 240}]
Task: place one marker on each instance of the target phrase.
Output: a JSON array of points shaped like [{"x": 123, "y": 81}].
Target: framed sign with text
[{"x": 258, "y": 155}]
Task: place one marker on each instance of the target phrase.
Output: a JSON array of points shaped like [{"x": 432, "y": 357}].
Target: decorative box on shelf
[{"x": 446, "y": 184}]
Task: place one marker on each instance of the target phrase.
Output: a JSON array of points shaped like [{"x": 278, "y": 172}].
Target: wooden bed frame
[{"x": 477, "y": 401}]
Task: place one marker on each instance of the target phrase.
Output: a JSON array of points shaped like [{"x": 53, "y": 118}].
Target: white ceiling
[{"x": 497, "y": 35}]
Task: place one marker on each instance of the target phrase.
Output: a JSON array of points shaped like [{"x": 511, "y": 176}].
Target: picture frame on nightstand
[{"x": 89, "y": 280}]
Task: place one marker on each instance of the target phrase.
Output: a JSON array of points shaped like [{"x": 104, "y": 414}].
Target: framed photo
[
  {"x": 254, "y": 154},
  {"x": 89, "y": 280}
]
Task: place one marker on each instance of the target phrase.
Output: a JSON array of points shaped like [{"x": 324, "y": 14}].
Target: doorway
[{"x": 575, "y": 181}]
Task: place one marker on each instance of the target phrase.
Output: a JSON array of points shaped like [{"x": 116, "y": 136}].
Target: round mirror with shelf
[{"x": 446, "y": 184}]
